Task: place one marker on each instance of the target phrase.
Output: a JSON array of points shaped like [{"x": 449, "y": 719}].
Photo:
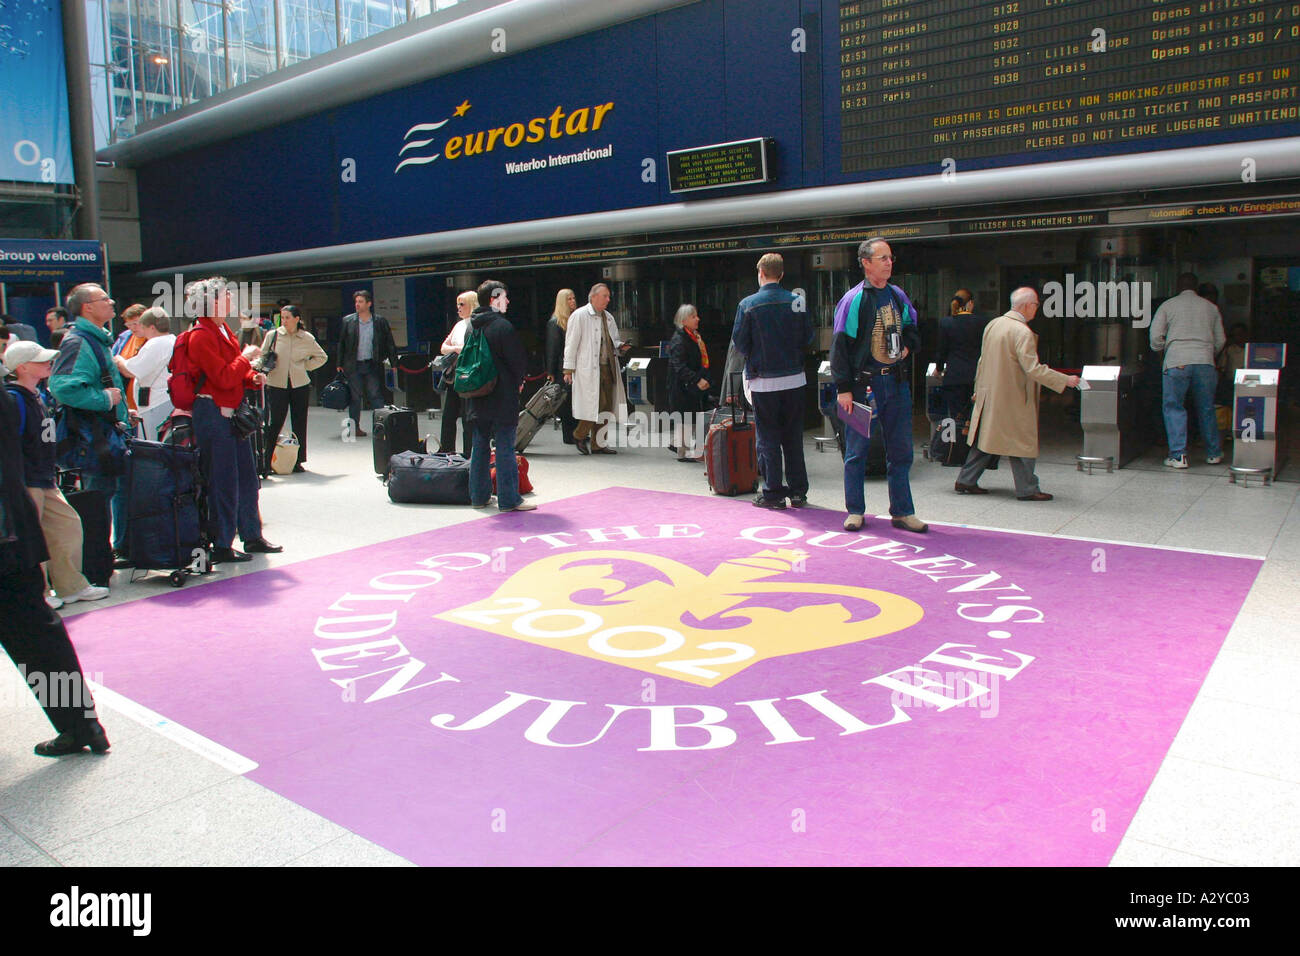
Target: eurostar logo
[{"x": 557, "y": 124}]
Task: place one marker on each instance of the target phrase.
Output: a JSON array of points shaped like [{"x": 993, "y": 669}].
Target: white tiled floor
[{"x": 1227, "y": 793}]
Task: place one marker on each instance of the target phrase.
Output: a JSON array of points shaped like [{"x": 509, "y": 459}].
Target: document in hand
[{"x": 859, "y": 419}]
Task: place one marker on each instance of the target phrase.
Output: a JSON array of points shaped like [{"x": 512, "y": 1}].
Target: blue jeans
[
  {"x": 367, "y": 378},
  {"x": 114, "y": 490},
  {"x": 230, "y": 475},
  {"x": 1201, "y": 379},
  {"x": 480, "y": 477},
  {"x": 893, "y": 414},
  {"x": 778, "y": 422}
]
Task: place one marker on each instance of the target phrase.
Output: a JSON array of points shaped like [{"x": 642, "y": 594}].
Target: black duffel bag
[
  {"x": 337, "y": 395},
  {"x": 415, "y": 478}
]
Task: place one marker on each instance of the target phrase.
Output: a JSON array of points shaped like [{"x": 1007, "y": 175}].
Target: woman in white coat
[{"x": 591, "y": 350}]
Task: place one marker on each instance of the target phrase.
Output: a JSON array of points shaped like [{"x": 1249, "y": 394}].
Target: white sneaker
[
  {"x": 1214, "y": 460},
  {"x": 54, "y": 601},
  {"x": 89, "y": 593},
  {"x": 524, "y": 506},
  {"x": 853, "y": 523},
  {"x": 1179, "y": 462}
]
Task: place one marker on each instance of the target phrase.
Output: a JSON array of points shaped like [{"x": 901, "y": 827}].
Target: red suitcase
[{"x": 731, "y": 455}]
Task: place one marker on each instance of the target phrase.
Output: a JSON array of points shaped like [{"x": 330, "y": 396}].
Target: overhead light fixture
[{"x": 161, "y": 60}]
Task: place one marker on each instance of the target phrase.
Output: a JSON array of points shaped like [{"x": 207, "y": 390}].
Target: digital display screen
[
  {"x": 712, "y": 167},
  {"x": 937, "y": 82}
]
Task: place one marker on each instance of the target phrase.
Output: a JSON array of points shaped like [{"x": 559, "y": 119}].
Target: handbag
[
  {"x": 266, "y": 362},
  {"x": 444, "y": 367},
  {"x": 337, "y": 395},
  {"x": 246, "y": 420}
]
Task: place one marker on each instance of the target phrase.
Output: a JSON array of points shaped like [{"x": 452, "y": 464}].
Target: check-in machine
[
  {"x": 1109, "y": 417},
  {"x": 1257, "y": 429},
  {"x": 637, "y": 375}
]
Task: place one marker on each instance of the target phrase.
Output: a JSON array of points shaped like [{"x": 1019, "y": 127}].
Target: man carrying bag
[{"x": 492, "y": 353}]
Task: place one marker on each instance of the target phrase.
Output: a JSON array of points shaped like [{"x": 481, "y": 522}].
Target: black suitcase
[
  {"x": 541, "y": 408},
  {"x": 165, "y": 531},
  {"x": 396, "y": 430},
  {"x": 96, "y": 545},
  {"x": 428, "y": 479}
]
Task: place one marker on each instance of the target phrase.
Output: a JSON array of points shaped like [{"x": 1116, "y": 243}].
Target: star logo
[{"x": 462, "y": 109}]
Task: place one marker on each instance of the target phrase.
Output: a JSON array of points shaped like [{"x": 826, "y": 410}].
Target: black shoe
[
  {"x": 584, "y": 445},
  {"x": 776, "y": 504},
  {"x": 122, "y": 558},
  {"x": 968, "y": 489},
  {"x": 68, "y": 742},
  {"x": 228, "y": 555},
  {"x": 298, "y": 469},
  {"x": 604, "y": 450},
  {"x": 262, "y": 546},
  {"x": 798, "y": 501}
]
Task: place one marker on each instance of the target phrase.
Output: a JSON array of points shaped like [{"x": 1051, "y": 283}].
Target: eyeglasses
[
  {"x": 104, "y": 299},
  {"x": 885, "y": 258}
]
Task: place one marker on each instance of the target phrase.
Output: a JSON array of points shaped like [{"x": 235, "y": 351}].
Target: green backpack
[{"x": 476, "y": 370}]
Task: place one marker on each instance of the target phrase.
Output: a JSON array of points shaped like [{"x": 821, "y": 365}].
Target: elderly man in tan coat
[{"x": 1005, "y": 421}]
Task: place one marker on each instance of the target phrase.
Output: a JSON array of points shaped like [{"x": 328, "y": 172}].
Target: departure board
[{"x": 939, "y": 82}]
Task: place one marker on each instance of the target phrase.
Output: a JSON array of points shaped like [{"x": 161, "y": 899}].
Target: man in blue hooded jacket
[{"x": 875, "y": 333}]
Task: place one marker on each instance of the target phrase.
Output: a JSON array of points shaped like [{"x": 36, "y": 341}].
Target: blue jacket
[{"x": 772, "y": 333}]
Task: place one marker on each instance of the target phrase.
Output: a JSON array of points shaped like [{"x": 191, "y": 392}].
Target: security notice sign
[{"x": 741, "y": 163}]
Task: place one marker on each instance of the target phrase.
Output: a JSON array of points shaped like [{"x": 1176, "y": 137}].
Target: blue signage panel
[
  {"x": 840, "y": 91},
  {"x": 35, "y": 146},
  {"x": 46, "y": 261}
]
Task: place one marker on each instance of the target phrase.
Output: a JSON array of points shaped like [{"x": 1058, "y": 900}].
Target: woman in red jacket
[{"x": 226, "y": 458}]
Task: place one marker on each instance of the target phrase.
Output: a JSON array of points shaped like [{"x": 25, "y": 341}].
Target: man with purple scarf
[{"x": 875, "y": 333}]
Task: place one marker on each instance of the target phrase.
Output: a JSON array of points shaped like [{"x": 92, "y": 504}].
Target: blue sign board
[
  {"x": 35, "y": 146},
  {"x": 47, "y": 261}
]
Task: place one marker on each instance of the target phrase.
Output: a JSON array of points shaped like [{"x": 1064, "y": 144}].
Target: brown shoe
[
  {"x": 910, "y": 523},
  {"x": 1037, "y": 496},
  {"x": 969, "y": 489}
]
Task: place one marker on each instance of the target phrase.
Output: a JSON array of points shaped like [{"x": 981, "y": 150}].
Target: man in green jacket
[{"x": 77, "y": 382}]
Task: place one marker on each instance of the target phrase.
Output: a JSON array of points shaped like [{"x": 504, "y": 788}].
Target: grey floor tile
[
  {"x": 236, "y": 823},
  {"x": 1260, "y": 680},
  {"x": 1137, "y": 853},
  {"x": 1246, "y": 737},
  {"x": 350, "y": 850},
  {"x": 15, "y": 849},
  {"x": 1242, "y": 819}
]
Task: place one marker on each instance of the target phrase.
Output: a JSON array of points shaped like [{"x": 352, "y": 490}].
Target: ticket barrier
[
  {"x": 934, "y": 405},
  {"x": 826, "y": 397},
  {"x": 1108, "y": 414}
]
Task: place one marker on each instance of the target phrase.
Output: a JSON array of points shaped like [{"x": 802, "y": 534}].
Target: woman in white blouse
[
  {"x": 149, "y": 369},
  {"x": 288, "y": 386},
  {"x": 452, "y": 406}
]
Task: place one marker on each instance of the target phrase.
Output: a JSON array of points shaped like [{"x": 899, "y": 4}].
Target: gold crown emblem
[{"x": 665, "y": 618}]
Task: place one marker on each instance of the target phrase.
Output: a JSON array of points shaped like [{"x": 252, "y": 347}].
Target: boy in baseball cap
[{"x": 29, "y": 363}]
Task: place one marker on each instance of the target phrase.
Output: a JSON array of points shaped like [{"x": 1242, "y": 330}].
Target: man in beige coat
[
  {"x": 591, "y": 351},
  {"x": 1005, "y": 421}
]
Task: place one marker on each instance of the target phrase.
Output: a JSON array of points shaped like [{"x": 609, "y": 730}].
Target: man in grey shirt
[{"x": 1189, "y": 330}]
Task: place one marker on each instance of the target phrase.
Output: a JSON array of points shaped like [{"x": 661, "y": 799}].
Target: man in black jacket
[
  {"x": 364, "y": 344},
  {"x": 31, "y": 633},
  {"x": 496, "y": 414}
]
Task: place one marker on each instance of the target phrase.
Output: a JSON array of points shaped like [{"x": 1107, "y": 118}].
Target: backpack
[
  {"x": 186, "y": 379},
  {"x": 476, "y": 371}
]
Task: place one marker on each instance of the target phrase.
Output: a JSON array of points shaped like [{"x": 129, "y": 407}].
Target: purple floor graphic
[{"x": 645, "y": 678}]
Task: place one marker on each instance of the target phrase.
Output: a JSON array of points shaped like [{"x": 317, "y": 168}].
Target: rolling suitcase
[
  {"x": 731, "y": 454},
  {"x": 96, "y": 545},
  {"x": 395, "y": 430},
  {"x": 541, "y": 408},
  {"x": 428, "y": 479},
  {"x": 165, "y": 531}
]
